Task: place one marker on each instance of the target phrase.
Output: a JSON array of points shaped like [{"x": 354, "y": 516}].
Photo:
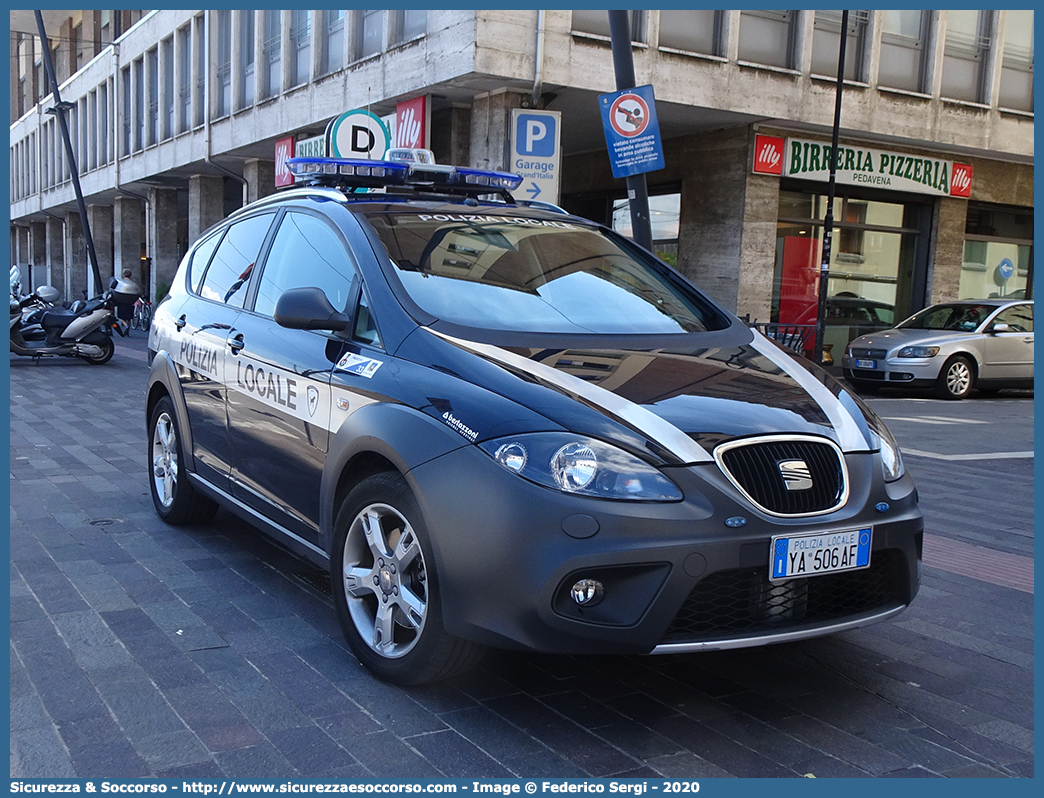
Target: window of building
[
  {"x": 306, "y": 251},
  {"x": 80, "y": 46},
  {"x": 223, "y": 72},
  {"x": 826, "y": 43},
  {"x": 597, "y": 22},
  {"x": 369, "y": 33},
  {"x": 167, "y": 65},
  {"x": 152, "y": 82},
  {"x": 271, "y": 54},
  {"x": 408, "y": 24},
  {"x": 332, "y": 40},
  {"x": 965, "y": 55},
  {"x": 698, "y": 31},
  {"x": 138, "y": 73},
  {"x": 998, "y": 253},
  {"x": 92, "y": 124},
  {"x": 201, "y": 69},
  {"x": 184, "y": 78},
  {"x": 104, "y": 120},
  {"x": 904, "y": 36},
  {"x": 300, "y": 47},
  {"x": 1016, "y": 84},
  {"x": 767, "y": 37},
  {"x": 125, "y": 82},
  {"x": 106, "y": 27},
  {"x": 246, "y": 58}
]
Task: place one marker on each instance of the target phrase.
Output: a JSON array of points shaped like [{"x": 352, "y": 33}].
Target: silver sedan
[{"x": 951, "y": 347}]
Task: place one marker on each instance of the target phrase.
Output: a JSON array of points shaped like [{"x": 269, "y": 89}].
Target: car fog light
[{"x": 587, "y": 592}]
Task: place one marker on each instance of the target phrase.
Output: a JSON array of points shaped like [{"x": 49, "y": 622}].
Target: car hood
[
  {"x": 896, "y": 337},
  {"x": 684, "y": 401}
]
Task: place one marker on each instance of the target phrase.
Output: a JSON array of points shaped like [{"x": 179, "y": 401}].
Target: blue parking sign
[{"x": 535, "y": 135}]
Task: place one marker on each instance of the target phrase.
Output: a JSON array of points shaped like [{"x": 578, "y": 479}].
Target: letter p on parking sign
[{"x": 535, "y": 134}]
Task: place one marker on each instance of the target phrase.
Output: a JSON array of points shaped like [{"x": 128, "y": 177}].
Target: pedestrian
[{"x": 125, "y": 310}]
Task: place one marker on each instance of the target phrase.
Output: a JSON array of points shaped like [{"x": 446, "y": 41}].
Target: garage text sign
[{"x": 861, "y": 166}]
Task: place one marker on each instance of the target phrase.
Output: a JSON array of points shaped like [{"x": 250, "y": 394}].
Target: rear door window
[{"x": 230, "y": 269}]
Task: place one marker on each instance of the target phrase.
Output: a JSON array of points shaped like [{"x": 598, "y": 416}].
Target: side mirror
[
  {"x": 309, "y": 309},
  {"x": 1000, "y": 327}
]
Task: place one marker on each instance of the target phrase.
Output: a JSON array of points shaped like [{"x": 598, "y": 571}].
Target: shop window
[
  {"x": 965, "y": 55},
  {"x": 767, "y": 37},
  {"x": 826, "y": 44},
  {"x": 664, "y": 216},
  {"x": 998, "y": 254},
  {"x": 698, "y": 31},
  {"x": 903, "y": 46},
  {"x": 1016, "y": 84},
  {"x": 871, "y": 264}
]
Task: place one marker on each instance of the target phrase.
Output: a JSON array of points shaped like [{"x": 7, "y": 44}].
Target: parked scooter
[
  {"x": 33, "y": 307},
  {"x": 84, "y": 332}
]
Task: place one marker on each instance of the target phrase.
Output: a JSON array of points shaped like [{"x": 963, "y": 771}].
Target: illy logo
[
  {"x": 768, "y": 155},
  {"x": 961, "y": 180},
  {"x": 795, "y": 473}
]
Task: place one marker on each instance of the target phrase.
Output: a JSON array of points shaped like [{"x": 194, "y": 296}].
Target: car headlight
[
  {"x": 918, "y": 351},
  {"x": 580, "y": 465},
  {"x": 882, "y": 438}
]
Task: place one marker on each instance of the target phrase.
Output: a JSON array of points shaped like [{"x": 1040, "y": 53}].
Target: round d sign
[{"x": 357, "y": 134}]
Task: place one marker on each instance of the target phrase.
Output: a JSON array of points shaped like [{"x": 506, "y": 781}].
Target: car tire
[
  {"x": 176, "y": 500},
  {"x": 385, "y": 587},
  {"x": 956, "y": 379}
]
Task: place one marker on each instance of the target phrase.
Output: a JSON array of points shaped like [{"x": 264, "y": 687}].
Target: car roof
[{"x": 995, "y": 301}]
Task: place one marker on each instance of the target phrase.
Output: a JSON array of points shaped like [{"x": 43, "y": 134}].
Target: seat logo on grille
[{"x": 795, "y": 473}]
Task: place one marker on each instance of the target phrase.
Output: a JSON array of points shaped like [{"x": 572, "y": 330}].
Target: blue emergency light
[{"x": 416, "y": 169}]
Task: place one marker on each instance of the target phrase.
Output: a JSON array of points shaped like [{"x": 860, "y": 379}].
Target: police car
[{"x": 499, "y": 425}]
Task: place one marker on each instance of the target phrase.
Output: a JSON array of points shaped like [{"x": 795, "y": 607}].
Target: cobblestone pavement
[{"x": 142, "y": 650}]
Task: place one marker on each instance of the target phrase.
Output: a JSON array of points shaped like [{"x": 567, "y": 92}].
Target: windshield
[
  {"x": 537, "y": 275},
  {"x": 957, "y": 318}
]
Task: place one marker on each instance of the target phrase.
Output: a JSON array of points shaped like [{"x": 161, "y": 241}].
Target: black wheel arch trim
[
  {"x": 163, "y": 379},
  {"x": 402, "y": 436}
]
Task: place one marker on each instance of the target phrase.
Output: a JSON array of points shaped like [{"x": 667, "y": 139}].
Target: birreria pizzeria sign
[{"x": 861, "y": 166}]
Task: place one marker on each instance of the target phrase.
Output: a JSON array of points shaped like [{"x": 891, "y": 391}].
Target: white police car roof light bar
[{"x": 406, "y": 168}]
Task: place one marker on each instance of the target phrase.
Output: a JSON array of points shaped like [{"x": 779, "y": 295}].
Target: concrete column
[
  {"x": 947, "y": 252},
  {"x": 260, "y": 177},
  {"x": 490, "y": 139},
  {"x": 38, "y": 253},
  {"x": 99, "y": 217},
  {"x": 76, "y": 262},
  {"x": 55, "y": 249},
  {"x": 206, "y": 204},
  {"x": 127, "y": 238},
  {"x": 163, "y": 238}
]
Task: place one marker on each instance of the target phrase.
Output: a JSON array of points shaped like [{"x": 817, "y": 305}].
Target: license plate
[
  {"x": 866, "y": 364},
  {"x": 812, "y": 555}
]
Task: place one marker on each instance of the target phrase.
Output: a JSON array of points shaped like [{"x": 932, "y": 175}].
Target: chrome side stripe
[
  {"x": 848, "y": 434},
  {"x": 629, "y": 413}
]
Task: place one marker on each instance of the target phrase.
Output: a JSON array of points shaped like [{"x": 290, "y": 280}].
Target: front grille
[
  {"x": 876, "y": 354},
  {"x": 757, "y": 468},
  {"x": 744, "y": 602}
]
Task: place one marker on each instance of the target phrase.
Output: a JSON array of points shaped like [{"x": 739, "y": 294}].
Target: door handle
[
  {"x": 236, "y": 344},
  {"x": 180, "y": 323}
]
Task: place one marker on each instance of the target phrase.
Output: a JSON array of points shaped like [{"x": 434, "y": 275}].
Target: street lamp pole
[{"x": 828, "y": 223}]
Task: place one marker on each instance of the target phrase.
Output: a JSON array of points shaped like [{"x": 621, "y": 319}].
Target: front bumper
[
  {"x": 676, "y": 577},
  {"x": 911, "y": 371}
]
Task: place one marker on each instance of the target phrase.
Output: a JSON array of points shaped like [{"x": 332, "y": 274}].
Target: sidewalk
[{"x": 138, "y": 649}]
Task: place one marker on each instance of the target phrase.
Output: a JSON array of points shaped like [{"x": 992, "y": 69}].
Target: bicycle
[{"x": 142, "y": 318}]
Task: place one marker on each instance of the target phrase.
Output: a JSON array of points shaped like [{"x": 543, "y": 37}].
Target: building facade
[{"x": 178, "y": 120}]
